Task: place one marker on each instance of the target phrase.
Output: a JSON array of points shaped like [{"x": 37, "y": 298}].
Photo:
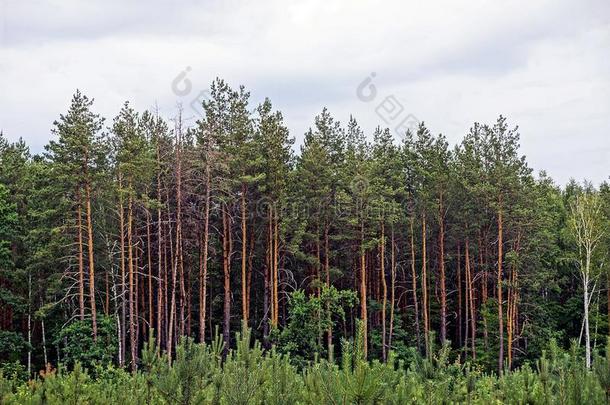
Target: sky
[{"x": 545, "y": 65}]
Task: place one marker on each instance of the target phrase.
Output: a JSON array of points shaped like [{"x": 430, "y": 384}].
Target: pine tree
[{"x": 77, "y": 154}]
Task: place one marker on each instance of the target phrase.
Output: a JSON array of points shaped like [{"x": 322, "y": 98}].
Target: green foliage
[
  {"x": 310, "y": 317},
  {"x": 249, "y": 375},
  {"x": 77, "y": 344},
  {"x": 12, "y": 345}
]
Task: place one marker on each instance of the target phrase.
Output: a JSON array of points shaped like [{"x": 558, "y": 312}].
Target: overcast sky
[{"x": 543, "y": 64}]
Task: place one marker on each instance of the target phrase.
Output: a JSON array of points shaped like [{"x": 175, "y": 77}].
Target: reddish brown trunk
[
  {"x": 203, "y": 275},
  {"x": 150, "y": 272},
  {"x": 276, "y": 273},
  {"x": 442, "y": 271},
  {"x": 425, "y": 288},
  {"x": 130, "y": 258},
  {"x": 363, "y": 288},
  {"x": 176, "y": 253},
  {"x": 384, "y": 298},
  {"x": 244, "y": 241},
  {"x": 499, "y": 286},
  {"x": 470, "y": 298},
  {"x": 392, "y": 287},
  {"x": 91, "y": 262},
  {"x": 459, "y": 288},
  {"x": 123, "y": 271},
  {"x": 81, "y": 262},
  {"x": 250, "y": 269},
  {"x": 227, "y": 246},
  {"x": 414, "y": 285},
  {"x": 160, "y": 273},
  {"x": 329, "y": 333}
]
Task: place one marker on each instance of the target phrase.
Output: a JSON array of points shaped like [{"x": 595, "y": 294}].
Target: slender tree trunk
[
  {"x": 172, "y": 308},
  {"x": 130, "y": 258},
  {"x": 442, "y": 268},
  {"x": 150, "y": 270},
  {"x": 203, "y": 276},
  {"x": 138, "y": 292},
  {"x": 276, "y": 272},
  {"x": 470, "y": 297},
  {"x": 384, "y": 298},
  {"x": 123, "y": 327},
  {"x": 363, "y": 298},
  {"x": 608, "y": 299},
  {"x": 81, "y": 263},
  {"x": 244, "y": 241},
  {"x": 329, "y": 334},
  {"x": 160, "y": 261},
  {"x": 91, "y": 262},
  {"x": 585, "y": 287},
  {"x": 272, "y": 274},
  {"x": 267, "y": 287},
  {"x": 183, "y": 296},
  {"x": 176, "y": 253},
  {"x": 250, "y": 270},
  {"x": 29, "y": 325},
  {"x": 414, "y": 284},
  {"x": 484, "y": 285},
  {"x": 392, "y": 286},
  {"x": 115, "y": 298},
  {"x": 499, "y": 285},
  {"x": 44, "y": 342},
  {"x": 107, "y": 285},
  {"x": 227, "y": 244},
  {"x": 425, "y": 287},
  {"x": 459, "y": 288},
  {"x": 510, "y": 316}
]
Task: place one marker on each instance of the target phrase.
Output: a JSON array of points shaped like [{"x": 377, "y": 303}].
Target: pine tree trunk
[
  {"x": 484, "y": 293},
  {"x": 176, "y": 253},
  {"x": 150, "y": 270},
  {"x": 608, "y": 299},
  {"x": 276, "y": 272},
  {"x": 226, "y": 265},
  {"x": 363, "y": 301},
  {"x": 425, "y": 288},
  {"x": 91, "y": 262},
  {"x": 116, "y": 310},
  {"x": 442, "y": 271},
  {"x": 123, "y": 272},
  {"x": 392, "y": 287},
  {"x": 81, "y": 263},
  {"x": 250, "y": 270},
  {"x": 470, "y": 298},
  {"x": 266, "y": 302},
  {"x": 459, "y": 288},
  {"x": 203, "y": 276},
  {"x": 499, "y": 285},
  {"x": 130, "y": 258},
  {"x": 244, "y": 241},
  {"x": 160, "y": 261},
  {"x": 267, "y": 299},
  {"x": 329, "y": 334},
  {"x": 384, "y": 298},
  {"x": 414, "y": 284}
]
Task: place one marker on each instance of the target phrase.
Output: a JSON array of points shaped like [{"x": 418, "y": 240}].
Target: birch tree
[{"x": 586, "y": 227}]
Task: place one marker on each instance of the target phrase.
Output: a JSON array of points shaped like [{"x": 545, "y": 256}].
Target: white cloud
[{"x": 541, "y": 63}]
